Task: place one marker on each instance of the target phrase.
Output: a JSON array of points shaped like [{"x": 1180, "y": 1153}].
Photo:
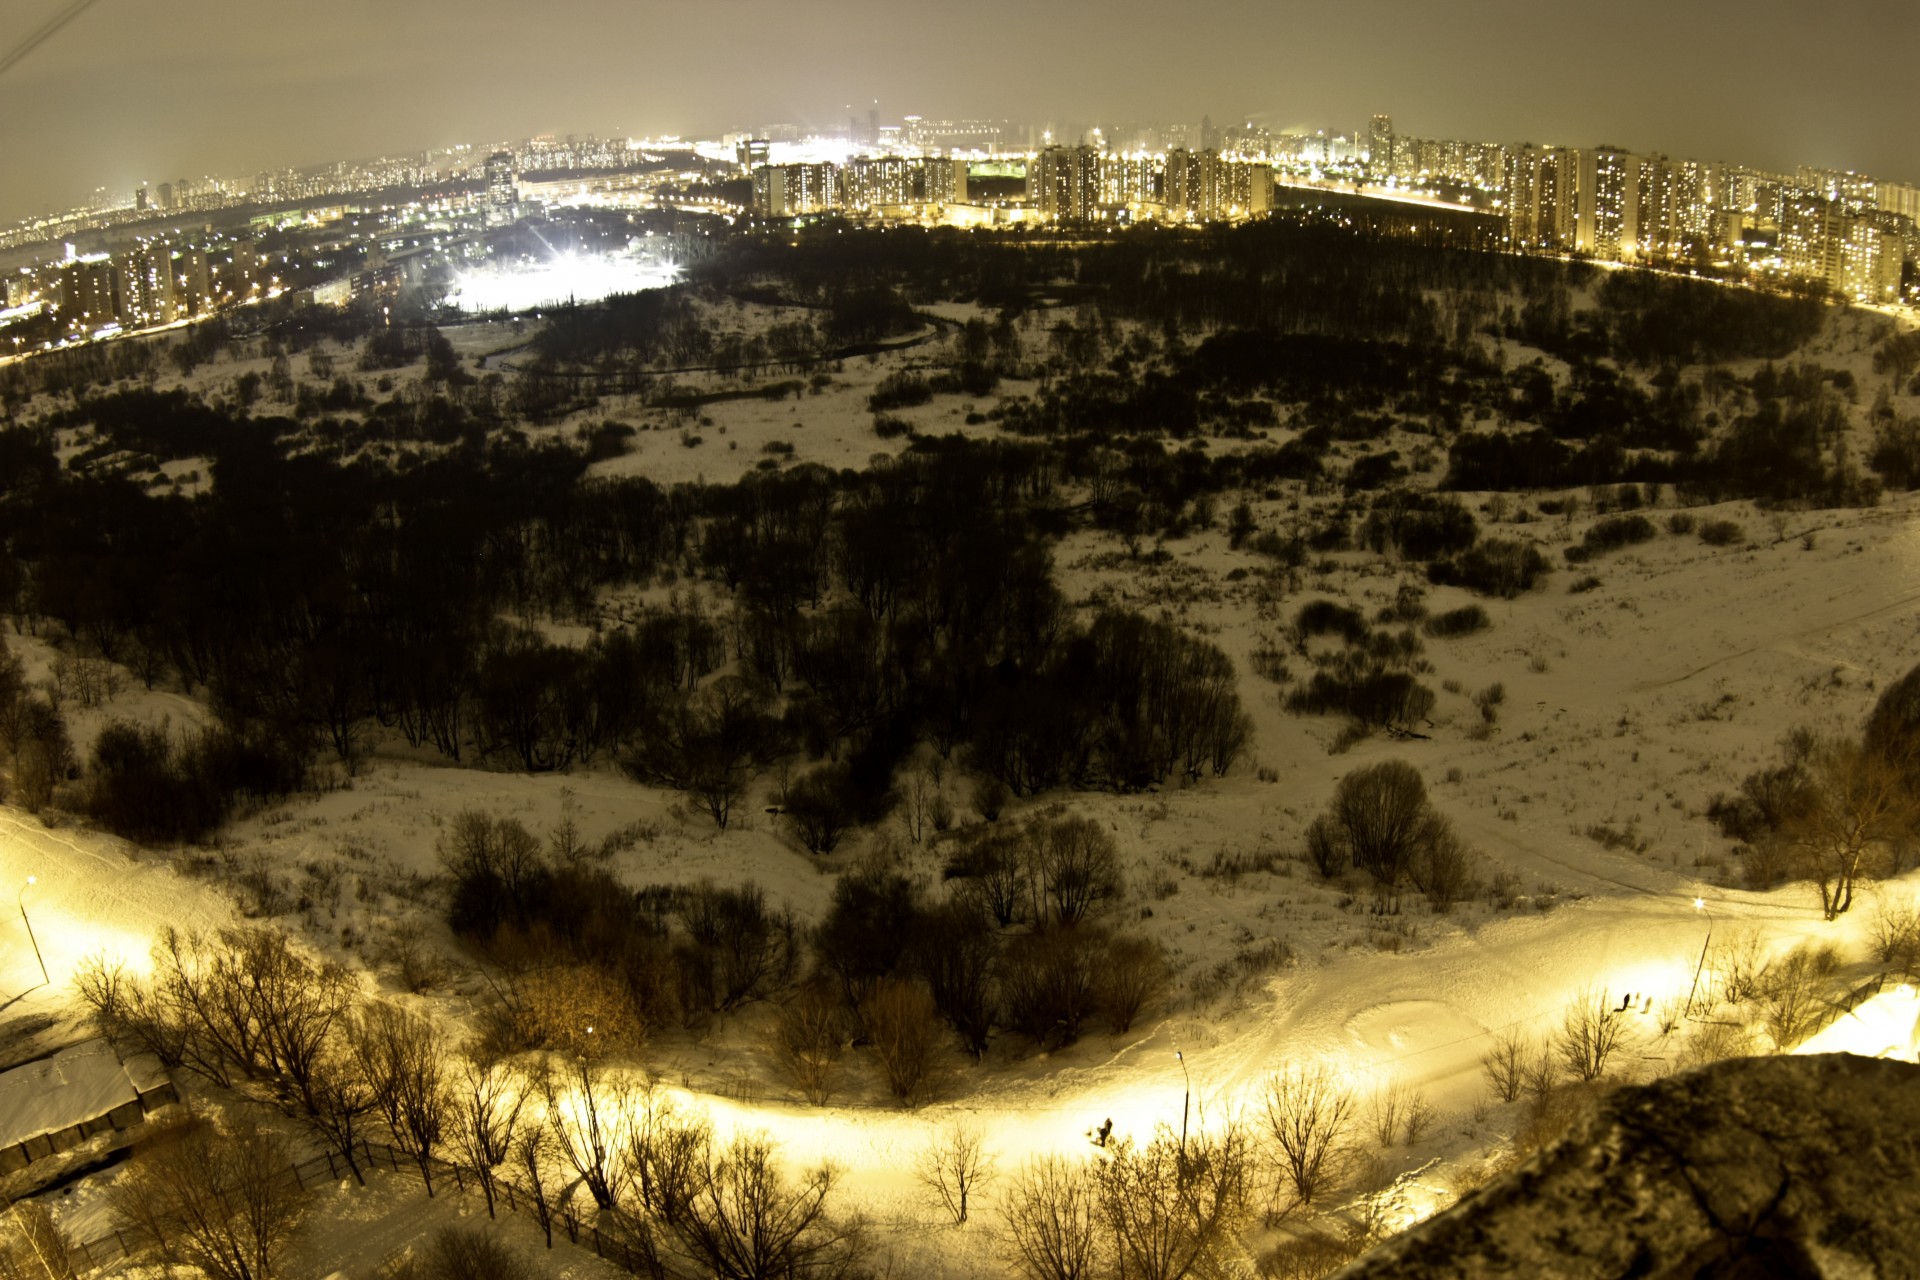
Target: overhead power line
[{"x": 44, "y": 34}]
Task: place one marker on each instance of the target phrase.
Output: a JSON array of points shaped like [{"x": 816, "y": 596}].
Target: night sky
[{"x": 160, "y": 89}]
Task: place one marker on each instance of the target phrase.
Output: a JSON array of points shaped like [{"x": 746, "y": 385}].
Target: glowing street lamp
[
  {"x": 1700, "y": 905},
  {"x": 20, "y": 900}
]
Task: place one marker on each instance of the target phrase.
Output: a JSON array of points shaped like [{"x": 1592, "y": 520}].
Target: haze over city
[{"x": 140, "y": 92}]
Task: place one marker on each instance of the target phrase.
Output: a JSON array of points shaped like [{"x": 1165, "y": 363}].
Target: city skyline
[{"x": 152, "y": 97}]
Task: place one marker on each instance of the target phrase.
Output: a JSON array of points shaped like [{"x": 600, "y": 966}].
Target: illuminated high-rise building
[
  {"x": 1854, "y": 190},
  {"x": 1063, "y": 183},
  {"x": 788, "y": 190},
  {"x": 1539, "y": 198},
  {"x": 503, "y": 197},
  {"x": 84, "y": 294},
  {"x": 1812, "y": 236},
  {"x": 146, "y": 288},
  {"x": 873, "y": 182},
  {"x": 193, "y": 282},
  {"x": 1380, "y": 162},
  {"x": 1872, "y": 253},
  {"x": 1606, "y": 202}
]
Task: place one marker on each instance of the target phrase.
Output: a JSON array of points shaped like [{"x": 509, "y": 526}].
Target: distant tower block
[
  {"x": 502, "y": 197},
  {"x": 1380, "y": 148}
]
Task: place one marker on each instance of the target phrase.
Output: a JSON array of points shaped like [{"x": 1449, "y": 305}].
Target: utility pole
[{"x": 20, "y": 900}]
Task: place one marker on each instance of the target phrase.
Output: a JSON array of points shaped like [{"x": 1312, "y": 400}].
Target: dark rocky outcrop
[{"x": 1751, "y": 1168}]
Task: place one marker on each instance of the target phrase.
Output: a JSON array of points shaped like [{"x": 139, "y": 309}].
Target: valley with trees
[{"x": 744, "y": 779}]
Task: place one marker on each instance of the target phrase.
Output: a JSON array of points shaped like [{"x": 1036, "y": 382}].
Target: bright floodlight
[
  {"x": 1699, "y": 904},
  {"x": 561, "y": 278}
]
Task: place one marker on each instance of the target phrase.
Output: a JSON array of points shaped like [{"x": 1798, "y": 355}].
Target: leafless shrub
[
  {"x": 667, "y": 1149},
  {"x": 1308, "y": 1113},
  {"x": 1311, "y": 1257},
  {"x": 1174, "y": 1206},
  {"x": 1384, "y": 1110},
  {"x": 1133, "y": 972},
  {"x": 1442, "y": 866},
  {"x": 218, "y": 1201},
  {"x": 1590, "y": 1034},
  {"x": 32, "y": 1245},
  {"x": 952, "y": 1166},
  {"x": 745, "y": 1219},
  {"x": 905, "y": 1030},
  {"x": 1540, "y": 1071},
  {"x": 1399, "y": 1113},
  {"x": 1047, "y": 983},
  {"x": 414, "y": 963},
  {"x": 454, "y": 1253},
  {"x": 1896, "y": 936},
  {"x": 1711, "y": 1042},
  {"x": 484, "y": 1116},
  {"x": 589, "y": 1111},
  {"x": 1075, "y": 865},
  {"x": 403, "y": 1059},
  {"x": 1420, "y": 1116},
  {"x": 809, "y": 1034},
  {"x": 1504, "y": 1065},
  {"x": 1050, "y": 1212},
  {"x": 1791, "y": 999},
  {"x": 1326, "y": 849},
  {"x": 551, "y": 1006},
  {"x": 1739, "y": 967},
  {"x": 533, "y": 1160}
]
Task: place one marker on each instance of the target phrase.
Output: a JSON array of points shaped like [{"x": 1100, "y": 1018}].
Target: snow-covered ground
[{"x": 1627, "y": 707}]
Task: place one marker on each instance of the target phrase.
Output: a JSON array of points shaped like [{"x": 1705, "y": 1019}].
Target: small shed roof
[{"x": 80, "y": 1083}]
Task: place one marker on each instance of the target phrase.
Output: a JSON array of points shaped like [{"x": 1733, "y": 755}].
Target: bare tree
[
  {"x": 1859, "y": 803},
  {"x": 1791, "y": 1002},
  {"x": 1540, "y": 1072},
  {"x": 531, "y": 1149},
  {"x": 1442, "y": 865},
  {"x": 217, "y": 1201},
  {"x": 1380, "y": 812},
  {"x": 403, "y": 1059},
  {"x": 1133, "y": 972},
  {"x": 1308, "y": 1113},
  {"x": 953, "y": 1164},
  {"x": 996, "y": 867},
  {"x": 1399, "y": 1113},
  {"x": 32, "y": 1245},
  {"x": 905, "y": 1030},
  {"x": 1504, "y": 1065},
  {"x": 745, "y": 1221},
  {"x": 485, "y": 1114},
  {"x": 1075, "y": 866},
  {"x": 589, "y": 1110},
  {"x": 666, "y": 1154},
  {"x": 339, "y": 1101},
  {"x": 1175, "y": 1206},
  {"x": 809, "y": 1034},
  {"x": 1051, "y": 1216},
  {"x": 1590, "y": 1033}
]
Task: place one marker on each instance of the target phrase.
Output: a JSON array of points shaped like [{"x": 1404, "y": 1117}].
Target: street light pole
[
  {"x": 1185, "y": 1100},
  {"x": 1700, "y": 904},
  {"x": 20, "y": 900}
]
